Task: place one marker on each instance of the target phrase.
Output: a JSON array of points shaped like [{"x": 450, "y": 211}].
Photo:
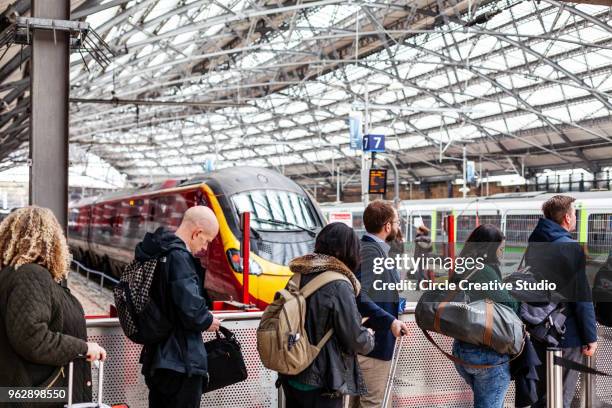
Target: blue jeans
[{"x": 488, "y": 384}]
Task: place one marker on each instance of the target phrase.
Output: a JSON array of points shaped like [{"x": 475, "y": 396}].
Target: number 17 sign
[{"x": 374, "y": 143}]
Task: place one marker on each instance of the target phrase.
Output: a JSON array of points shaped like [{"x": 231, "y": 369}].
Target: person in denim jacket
[{"x": 488, "y": 384}]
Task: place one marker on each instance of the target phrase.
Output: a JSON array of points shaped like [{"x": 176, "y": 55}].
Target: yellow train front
[{"x": 284, "y": 222}]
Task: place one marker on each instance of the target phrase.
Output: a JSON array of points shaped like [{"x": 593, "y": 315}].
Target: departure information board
[{"x": 378, "y": 181}]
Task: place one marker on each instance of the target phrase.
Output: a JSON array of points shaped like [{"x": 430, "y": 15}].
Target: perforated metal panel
[
  {"x": 123, "y": 382},
  {"x": 603, "y": 385},
  {"x": 424, "y": 377}
]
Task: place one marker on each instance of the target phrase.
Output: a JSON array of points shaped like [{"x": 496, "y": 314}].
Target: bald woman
[{"x": 175, "y": 369}]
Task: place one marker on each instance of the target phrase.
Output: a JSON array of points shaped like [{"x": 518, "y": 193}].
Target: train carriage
[
  {"x": 516, "y": 214},
  {"x": 284, "y": 222}
]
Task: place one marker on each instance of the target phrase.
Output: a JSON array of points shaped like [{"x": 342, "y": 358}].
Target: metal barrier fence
[
  {"x": 89, "y": 271},
  {"x": 124, "y": 383},
  {"x": 424, "y": 377}
]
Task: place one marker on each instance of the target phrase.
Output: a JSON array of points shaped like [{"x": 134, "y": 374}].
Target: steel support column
[{"x": 49, "y": 117}]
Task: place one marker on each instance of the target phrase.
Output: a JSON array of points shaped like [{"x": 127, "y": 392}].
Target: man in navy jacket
[
  {"x": 380, "y": 307},
  {"x": 175, "y": 368},
  {"x": 555, "y": 256}
]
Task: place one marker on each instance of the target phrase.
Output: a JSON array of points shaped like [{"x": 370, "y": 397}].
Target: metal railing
[
  {"x": 89, "y": 271},
  {"x": 424, "y": 377},
  {"x": 554, "y": 379}
]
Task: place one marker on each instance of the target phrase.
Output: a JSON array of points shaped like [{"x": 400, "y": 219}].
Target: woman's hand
[{"x": 95, "y": 352}]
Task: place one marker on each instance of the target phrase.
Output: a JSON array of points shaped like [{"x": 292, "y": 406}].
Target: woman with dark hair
[
  {"x": 335, "y": 371},
  {"x": 488, "y": 384}
]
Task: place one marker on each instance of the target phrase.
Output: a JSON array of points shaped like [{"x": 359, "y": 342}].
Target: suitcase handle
[{"x": 100, "y": 382}]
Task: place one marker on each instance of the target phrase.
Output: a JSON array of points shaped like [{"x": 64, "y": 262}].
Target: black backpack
[
  {"x": 544, "y": 319},
  {"x": 140, "y": 317},
  {"x": 602, "y": 293}
]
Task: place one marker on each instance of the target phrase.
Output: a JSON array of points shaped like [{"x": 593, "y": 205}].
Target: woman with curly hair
[{"x": 42, "y": 326}]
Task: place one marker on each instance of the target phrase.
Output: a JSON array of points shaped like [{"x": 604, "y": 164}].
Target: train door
[{"x": 442, "y": 225}]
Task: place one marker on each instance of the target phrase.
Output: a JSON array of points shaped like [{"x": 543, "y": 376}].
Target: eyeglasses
[{"x": 394, "y": 222}]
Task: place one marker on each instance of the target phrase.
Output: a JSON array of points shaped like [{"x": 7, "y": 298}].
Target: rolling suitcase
[
  {"x": 98, "y": 404},
  {"x": 396, "y": 353}
]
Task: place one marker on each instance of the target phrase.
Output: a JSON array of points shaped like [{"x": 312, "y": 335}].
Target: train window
[
  {"x": 274, "y": 210},
  {"x": 73, "y": 221},
  {"x": 599, "y": 239},
  {"x": 467, "y": 223},
  {"x": 358, "y": 221},
  {"x": 105, "y": 220},
  {"x": 134, "y": 220},
  {"x": 403, "y": 219},
  {"x": 283, "y": 201},
  {"x": 426, "y": 221},
  {"x": 519, "y": 227},
  {"x": 166, "y": 211}
]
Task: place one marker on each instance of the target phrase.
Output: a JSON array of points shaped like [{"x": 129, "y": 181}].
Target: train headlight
[
  {"x": 235, "y": 260},
  {"x": 254, "y": 268}
]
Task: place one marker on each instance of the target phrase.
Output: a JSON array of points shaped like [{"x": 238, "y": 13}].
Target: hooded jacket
[
  {"x": 178, "y": 290},
  {"x": 335, "y": 369},
  {"x": 555, "y": 256}
]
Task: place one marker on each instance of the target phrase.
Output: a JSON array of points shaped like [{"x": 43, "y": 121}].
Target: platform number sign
[
  {"x": 374, "y": 143},
  {"x": 377, "y": 181}
]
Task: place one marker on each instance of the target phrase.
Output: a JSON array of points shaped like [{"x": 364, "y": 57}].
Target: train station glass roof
[{"x": 522, "y": 85}]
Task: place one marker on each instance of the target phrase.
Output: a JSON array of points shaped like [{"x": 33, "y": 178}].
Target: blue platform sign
[
  {"x": 355, "y": 130},
  {"x": 374, "y": 143},
  {"x": 470, "y": 172}
]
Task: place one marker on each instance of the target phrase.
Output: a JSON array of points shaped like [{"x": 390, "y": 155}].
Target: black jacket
[
  {"x": 42, "y": 328},
  {"x": 525, "y": 375},
  {"x": 602, "y": 293},
  {"x": 178, "y": 289},
  {"x": 335, "y": 369},
  {"x": 554, "y": 256},
  {"x": 381, "y": 307}
]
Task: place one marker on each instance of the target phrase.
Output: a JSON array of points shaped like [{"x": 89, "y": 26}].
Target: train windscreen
[{"x": 274, "y": 210}]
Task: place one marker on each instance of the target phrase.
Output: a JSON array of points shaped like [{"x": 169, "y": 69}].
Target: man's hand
[
  {"x": 214, "y": 326},
  {"x": 589, "y": 349},
  {"x": 399, "y": 328}
]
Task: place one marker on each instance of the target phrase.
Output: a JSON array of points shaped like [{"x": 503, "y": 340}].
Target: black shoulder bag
[{"x": 225, "y": 362}]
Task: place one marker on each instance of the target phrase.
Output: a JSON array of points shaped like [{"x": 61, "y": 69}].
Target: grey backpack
[
  {"x": 545, "y": 322},
  {"x": 544, "y": 319}
]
